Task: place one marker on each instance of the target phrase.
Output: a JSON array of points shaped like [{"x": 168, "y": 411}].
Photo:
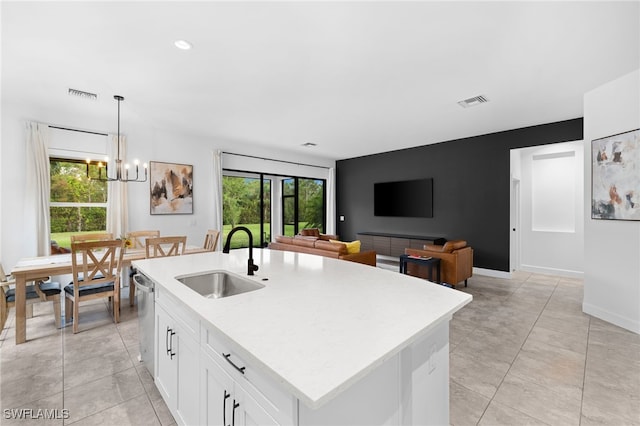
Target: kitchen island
[{"x": 323, "y": 342}]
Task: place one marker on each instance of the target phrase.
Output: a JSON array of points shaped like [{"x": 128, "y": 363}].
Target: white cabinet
[
  {"x": 208, "y": 379},
  {"x": 216, "y": 388},
  {"x": 224, "y": 401},
  {"x": 166, "y": 371},
  {"x": 234, "y": 390},
  {"x": 177, "y": 362},
  {"x": 200, "y": 385}
]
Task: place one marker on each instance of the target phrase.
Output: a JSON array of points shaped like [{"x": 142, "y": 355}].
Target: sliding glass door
[
  {"x": 247, "y": 202},
  {"x": 303, "y": 204},
  {"x": 267, "y": 204}
]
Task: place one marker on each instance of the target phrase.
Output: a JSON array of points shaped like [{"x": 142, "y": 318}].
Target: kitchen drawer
[{"x": 279, "y": 403}]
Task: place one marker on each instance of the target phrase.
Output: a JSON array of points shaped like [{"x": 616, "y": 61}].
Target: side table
[{"x": 430, "y": 262}]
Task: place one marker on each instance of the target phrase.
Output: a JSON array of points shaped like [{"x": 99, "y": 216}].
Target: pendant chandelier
[{"x": 122, "y": 169}]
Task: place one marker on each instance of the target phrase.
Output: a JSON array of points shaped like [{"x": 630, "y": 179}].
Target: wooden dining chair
[
  {"x": 96, "y": 236},
  {"x": 96, "y": 267},
  {"x": 211, "y": 240},
  {"x": 165, "y": 246},
  {"x": 42, "y": 290},
  {"x": 137, "y": 239}
]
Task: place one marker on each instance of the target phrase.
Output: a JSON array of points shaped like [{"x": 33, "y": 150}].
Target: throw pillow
[{"x": 352, "y": 248}]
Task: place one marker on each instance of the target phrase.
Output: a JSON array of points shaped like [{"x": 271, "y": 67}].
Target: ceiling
[{"x": 355, "y": 78}]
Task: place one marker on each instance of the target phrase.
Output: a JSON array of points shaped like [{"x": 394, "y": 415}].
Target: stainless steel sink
[{"x": 215, "y": 285}]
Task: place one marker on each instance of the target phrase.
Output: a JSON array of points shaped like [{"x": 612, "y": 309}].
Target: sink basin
[{"x": 215, "y": 285}]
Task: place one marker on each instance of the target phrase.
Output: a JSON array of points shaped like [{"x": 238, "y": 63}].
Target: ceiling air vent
[
  {"x": 476, "y": 100},
  {"x": 84, "y": 95}
]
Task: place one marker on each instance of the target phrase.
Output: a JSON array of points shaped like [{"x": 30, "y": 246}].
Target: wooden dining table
[{"x": 31, "y": 268}]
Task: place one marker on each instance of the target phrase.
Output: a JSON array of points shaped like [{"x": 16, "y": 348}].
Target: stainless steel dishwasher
[{"x": 146, "y": 319}]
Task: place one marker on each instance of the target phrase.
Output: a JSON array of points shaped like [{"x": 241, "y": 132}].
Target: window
[
  {"x": 303, "y": 204},
  {"x": 289, "y": 207},
  {"x": 246, "y": 203},
  {"x": 78, "y": 204}
]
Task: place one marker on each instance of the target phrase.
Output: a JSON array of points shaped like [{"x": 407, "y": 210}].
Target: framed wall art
[
  {"x": 171, "y": 188},
  {"x": 615, "y": 177}
]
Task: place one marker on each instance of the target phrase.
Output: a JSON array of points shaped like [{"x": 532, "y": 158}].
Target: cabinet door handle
[
  {"x": 226, "y": 356},
  {"x": 166, "y": 340},
  {"x": 233, "y": 414},
  {"x": 171, "y": 342},
  {"x": 224, "y": 408}
]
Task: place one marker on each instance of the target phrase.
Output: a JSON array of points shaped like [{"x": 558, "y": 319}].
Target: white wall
[
  {"x": 551, "y": 200},
  {"x": 612, "y": 247},
  {"x": 146, "y": 142}
]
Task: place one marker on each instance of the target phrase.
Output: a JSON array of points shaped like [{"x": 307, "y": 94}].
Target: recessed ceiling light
[
  {"x": 476, "y": 100},
  {"x": 309, "y": 144},
  {"x": 182, "y": 44}
]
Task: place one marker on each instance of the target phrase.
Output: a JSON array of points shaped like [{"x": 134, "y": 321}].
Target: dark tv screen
[{"x": 408, "y": 198}]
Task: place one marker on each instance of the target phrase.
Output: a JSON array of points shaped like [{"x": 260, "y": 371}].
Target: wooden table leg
[{"x": 21, "y": 309}]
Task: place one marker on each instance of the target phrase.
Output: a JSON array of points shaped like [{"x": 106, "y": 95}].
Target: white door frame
[{"x": 514, "y": 240}]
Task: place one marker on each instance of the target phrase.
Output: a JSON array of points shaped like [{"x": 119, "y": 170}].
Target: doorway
[{"x": 546, "y": 209}]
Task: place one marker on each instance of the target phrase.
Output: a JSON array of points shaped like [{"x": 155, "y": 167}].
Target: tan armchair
[{"x": 456, "y": 261}]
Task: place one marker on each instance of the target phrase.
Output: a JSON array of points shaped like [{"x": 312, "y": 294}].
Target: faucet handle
[{"x": 251, "y": 267}]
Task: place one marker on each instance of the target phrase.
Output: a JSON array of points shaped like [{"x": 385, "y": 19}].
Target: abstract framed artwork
[
  {"x": 171, "y": 188},
  {"x": 615, "y": 177}
]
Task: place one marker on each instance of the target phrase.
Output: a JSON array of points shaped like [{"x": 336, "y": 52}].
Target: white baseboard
[
  {"x": 491, "y": 273},
  {"x": 552, "y": 271},
  {"x": 611, "y": 317}
]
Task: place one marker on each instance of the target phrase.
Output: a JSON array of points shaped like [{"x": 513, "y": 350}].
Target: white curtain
[
  {"x": 117, "y": 206},
  {"x": 38, "y": 185},
  {"x": 331, "y": 201},
  {"x": 217, "y": 193}
]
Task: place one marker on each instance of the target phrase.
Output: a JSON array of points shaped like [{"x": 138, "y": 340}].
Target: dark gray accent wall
[{"x": 471, "y": 188}]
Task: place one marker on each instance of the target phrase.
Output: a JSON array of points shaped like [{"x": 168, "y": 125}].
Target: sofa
[
  {"x": 456, "y": 261},
  {"x": 312, "y": 242}
]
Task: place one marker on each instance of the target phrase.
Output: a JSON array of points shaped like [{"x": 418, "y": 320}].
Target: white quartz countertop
[{"x": 319, "y": 324}]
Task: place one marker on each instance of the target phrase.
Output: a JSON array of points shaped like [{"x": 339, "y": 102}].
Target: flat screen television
[{"x": 407, "y": 198}]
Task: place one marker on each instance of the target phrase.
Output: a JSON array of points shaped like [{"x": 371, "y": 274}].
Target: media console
[{"x": 394, "y": 244}]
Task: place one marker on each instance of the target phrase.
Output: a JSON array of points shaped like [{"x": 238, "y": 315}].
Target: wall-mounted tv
[{"x": 407, "y": 198}]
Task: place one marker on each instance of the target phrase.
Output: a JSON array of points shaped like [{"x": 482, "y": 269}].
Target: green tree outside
[
  {"x": 69, "y": 184},
  {"x": 241, "y": 205}
]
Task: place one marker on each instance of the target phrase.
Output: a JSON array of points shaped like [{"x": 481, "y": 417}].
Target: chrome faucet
[{"x": 251, "y": 268}]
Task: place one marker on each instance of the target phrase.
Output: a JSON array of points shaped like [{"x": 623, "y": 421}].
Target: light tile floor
[
  {"x": 522, "y": 353},
  {"x": 94, "y": 374}
]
